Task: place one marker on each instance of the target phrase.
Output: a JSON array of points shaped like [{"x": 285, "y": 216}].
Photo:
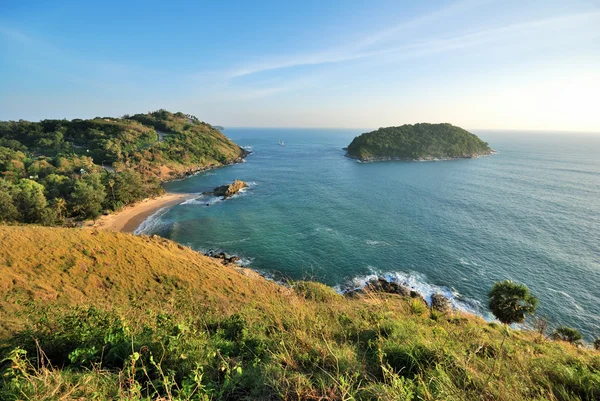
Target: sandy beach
[{"x": 130, "y": 218}]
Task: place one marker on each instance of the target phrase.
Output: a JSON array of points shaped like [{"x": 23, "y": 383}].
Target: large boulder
[
  {"x": 440, "y": 303},
  {"x": 227, "y": 191}
]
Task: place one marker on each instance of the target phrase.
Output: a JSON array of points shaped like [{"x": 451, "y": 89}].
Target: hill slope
[
  {"x": 54, "y": 170},
  {"x": 105, "y": 315},
  {"x": 417, "y": 142}
]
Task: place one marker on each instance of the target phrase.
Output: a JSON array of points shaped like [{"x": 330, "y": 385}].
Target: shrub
[
  {"x": 597, "y": 343},
  {"x": 315, "y": 291},
  {"x": 565, "y": 333},
  {"x": 417, "y": 307}
]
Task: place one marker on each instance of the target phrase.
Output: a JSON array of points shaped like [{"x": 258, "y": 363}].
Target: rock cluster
[
  {"x": 227, "y": 191},
  {"x": 388, "y": 287},
  {"x": 223, "y": 257},
  {"x": 440, "y": 303}
]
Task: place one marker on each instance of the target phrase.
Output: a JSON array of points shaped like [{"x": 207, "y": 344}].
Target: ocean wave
[
  {"x": 418, "y": 282},
  {"x": 152, "y": 223},
  {"x": 569, "y": 298},
  {"x": 205, "y": 200},
  {"x": 209, "y": 200},
  {"x": 374, "y": 242}
]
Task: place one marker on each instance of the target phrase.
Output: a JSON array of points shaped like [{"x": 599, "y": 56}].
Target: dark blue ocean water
[{"x": 530, "y": 213}]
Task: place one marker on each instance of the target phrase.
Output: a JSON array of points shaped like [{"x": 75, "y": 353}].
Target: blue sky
[{"x": 474, "y": 63}]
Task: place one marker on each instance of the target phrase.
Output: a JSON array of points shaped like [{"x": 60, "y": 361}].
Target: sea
[{"x": 529, "y": 213}]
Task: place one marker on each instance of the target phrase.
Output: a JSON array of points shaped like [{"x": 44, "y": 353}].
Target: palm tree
[
  {"x": 61, "y": 205},
  {"x": 511, "y": 302}
]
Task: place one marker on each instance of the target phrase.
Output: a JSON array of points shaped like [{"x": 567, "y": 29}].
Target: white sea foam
[
  {"x": 152, "y": 223},
  {"x": 569, "y": 297},
  {"x": 418, "y": 283},
  {"x": 205, "y": 200},
  {"x": 374, "y": 242}
]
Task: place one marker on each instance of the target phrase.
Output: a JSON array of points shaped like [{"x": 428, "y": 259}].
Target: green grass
[{"x": 187, "y": 340}]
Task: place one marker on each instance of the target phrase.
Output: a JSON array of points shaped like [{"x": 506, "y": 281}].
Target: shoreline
[
  {"x": 128, "y": 219},
  {"x": 421, "y": 159},
  {"x": 131, "y": 217}
]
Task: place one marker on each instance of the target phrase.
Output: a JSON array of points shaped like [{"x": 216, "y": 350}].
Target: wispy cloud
[
  {"x": 358, "y": 49},
  {"x": 367, "y": 47}
]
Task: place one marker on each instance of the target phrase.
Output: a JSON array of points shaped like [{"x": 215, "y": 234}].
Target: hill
[
  {"x": 102, "y": 315},
  {"x": 54, "y": 170},
  {"x": 417, "y": 142}
]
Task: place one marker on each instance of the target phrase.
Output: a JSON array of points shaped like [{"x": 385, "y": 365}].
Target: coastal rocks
[
  {"x": 223, "y": 258},
  {"x": 227, "y": 191},
  {"x": 382, "y": 285},
  {"x": 389, "y": 287},
  {"x": 440, "y": 303}
]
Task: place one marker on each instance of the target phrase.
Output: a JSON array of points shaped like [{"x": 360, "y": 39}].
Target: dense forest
[
  {"x": 57, "y": 171},
  {"x": 417, "y": 142}
]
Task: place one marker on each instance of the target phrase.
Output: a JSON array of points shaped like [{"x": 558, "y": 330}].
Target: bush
[
  {"x": 315, "y": 291},
  {"x": 565, "y": 333},
  {"x": 597, "y": 343}
]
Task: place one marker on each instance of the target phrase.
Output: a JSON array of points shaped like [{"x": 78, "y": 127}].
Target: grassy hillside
[
  {"x": 417, "y": 142},
  {"x": 101, "y": 315}
]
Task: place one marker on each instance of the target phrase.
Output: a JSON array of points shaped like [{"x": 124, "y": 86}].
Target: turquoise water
[{"x": 530, "y": 213}]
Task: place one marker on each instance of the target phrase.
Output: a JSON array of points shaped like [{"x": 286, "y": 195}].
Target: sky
[{"x": 479, "y": 64}]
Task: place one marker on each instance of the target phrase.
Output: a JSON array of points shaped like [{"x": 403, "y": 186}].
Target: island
[{"x": 416, "y": 142}]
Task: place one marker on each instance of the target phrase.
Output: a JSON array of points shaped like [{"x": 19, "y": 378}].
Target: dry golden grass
[
  {"x": 74, "y": 266},
  {"x": 236, "y": 335}
]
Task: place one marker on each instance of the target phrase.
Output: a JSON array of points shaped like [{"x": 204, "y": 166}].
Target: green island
[
  {"x": 417, "y": 142},
  {"x": 87, "y": 314},
  {"x": 59, "y": 171}
]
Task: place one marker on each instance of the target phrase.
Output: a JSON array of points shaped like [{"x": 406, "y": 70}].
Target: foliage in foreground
[
  {"x": 170, "y": 324},
  {"x": 311, "y": 344}
]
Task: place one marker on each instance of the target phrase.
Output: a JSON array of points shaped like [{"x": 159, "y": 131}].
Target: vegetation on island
[
  {"x": 54, "y": 170},
  {"x": 417, "y": 142},
  {"x": 88, "y": 314}
]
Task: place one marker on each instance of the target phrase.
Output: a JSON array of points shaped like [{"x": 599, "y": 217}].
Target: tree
[
  {"x": 29, "y": 199},
  {"x": 8, "y": 210},
  {"x": 566, "y": 333},
  {"x": 511, "y": 302},
  {"x": 129, "y": 187},
  {"x": 60, "y": 205},
  {"x": 88, "y": 195}
]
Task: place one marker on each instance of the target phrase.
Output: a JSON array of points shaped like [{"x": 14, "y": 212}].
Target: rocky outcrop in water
[
  {"x": 223, "y": 257},
  {"x": 227, "y": 191}
]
